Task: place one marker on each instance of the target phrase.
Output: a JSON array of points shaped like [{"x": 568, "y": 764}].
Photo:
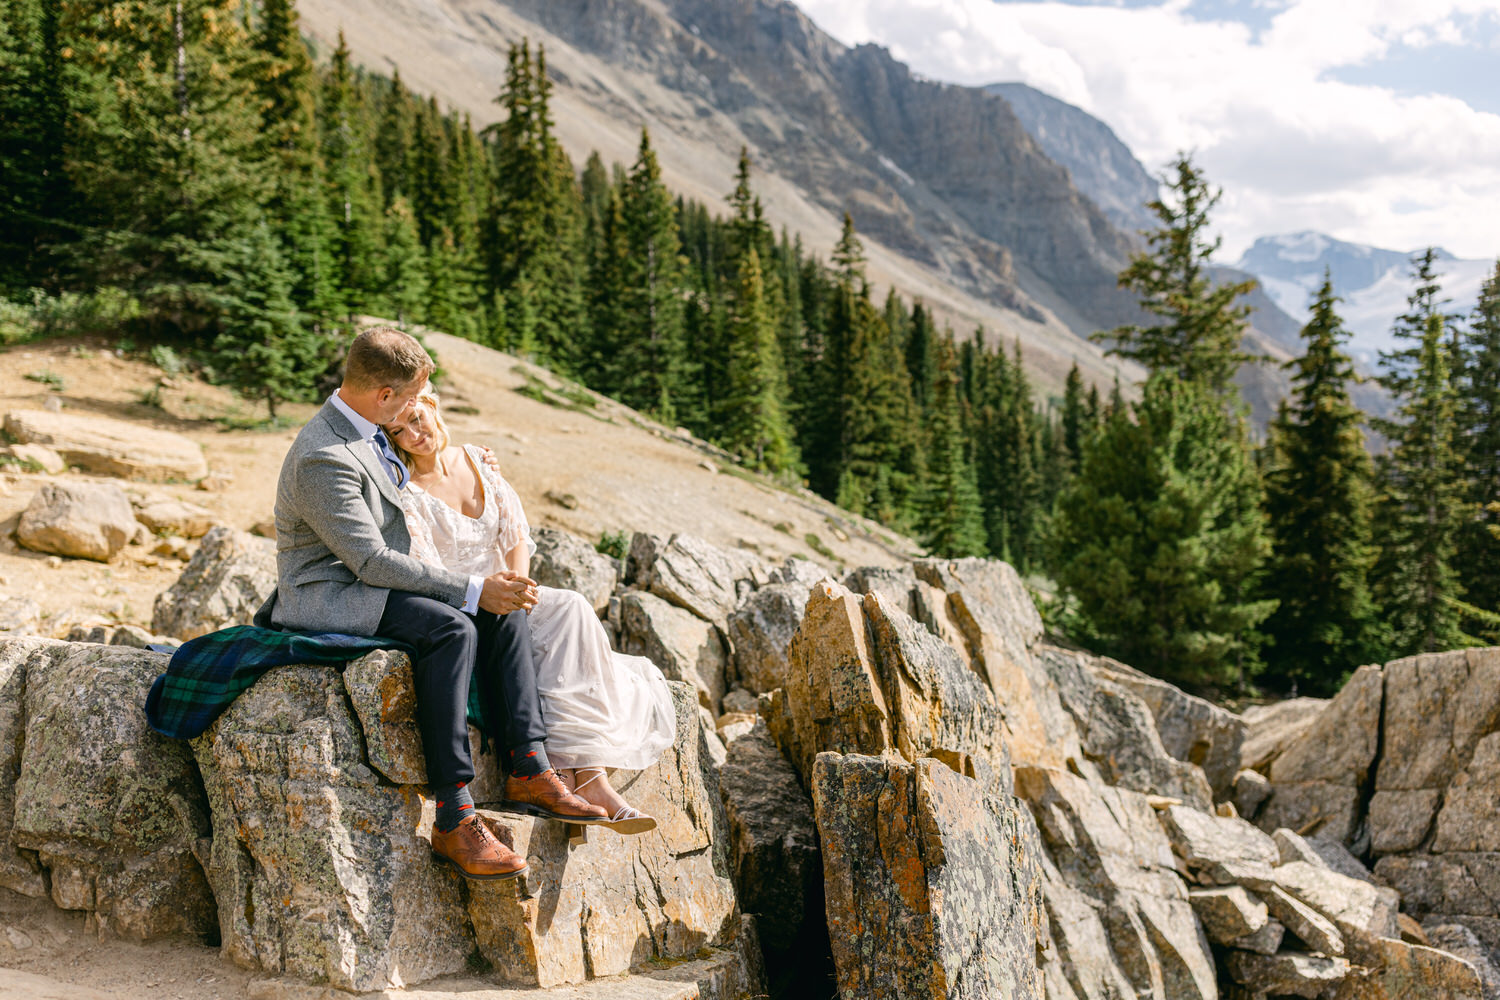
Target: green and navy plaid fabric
[{"x": 208, "y": 673}]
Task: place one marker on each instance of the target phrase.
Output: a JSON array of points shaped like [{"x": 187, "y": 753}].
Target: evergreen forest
[{"x": 194, "y": 173}]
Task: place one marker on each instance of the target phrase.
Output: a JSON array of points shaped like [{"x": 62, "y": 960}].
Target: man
[{"x": 343, "y": 566}]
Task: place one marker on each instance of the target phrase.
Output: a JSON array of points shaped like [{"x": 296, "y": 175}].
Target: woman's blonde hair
[{"x": 429, "y": 399}]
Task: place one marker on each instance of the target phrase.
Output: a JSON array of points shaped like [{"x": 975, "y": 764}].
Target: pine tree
[
  {"x": 35, "y": 95},
  {"x": 1157, "y": 541},
  {"x": 1421, "y": 507},
  {"x": 1399, "y": 365},
  {"x": 1076, "y": 422},
  {"x": 1318, "y": 499},
  {"x": 1199, "y": 338},
  {"x": 951, "y": 520},
  {"x": 1010, "y": 483},
  {"x": 754, "y": 421},
  {"x": 393, "y": 142},
  {"x": 921, "y": 356},
  {"x": 647, "y": 350},
  {"x": 405, "y": 264},
  {"x": 284, "y": 84},
  {"x": 535, "y": 223},
  {"x": 1478, "y": 557},
  {"x": 353, "y": 185}
]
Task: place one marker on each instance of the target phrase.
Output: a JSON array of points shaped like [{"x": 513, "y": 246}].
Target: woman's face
[{"x": 415, "y": 431}]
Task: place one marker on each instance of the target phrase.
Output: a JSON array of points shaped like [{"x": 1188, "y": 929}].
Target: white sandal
[{"x": 627, "y": 819}]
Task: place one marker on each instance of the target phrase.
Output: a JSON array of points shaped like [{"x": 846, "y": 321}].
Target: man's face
[{"x": 394, "y": 404}]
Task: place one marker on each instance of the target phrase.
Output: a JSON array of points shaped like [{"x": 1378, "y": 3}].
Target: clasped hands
[{"x": 505, "y": 591}]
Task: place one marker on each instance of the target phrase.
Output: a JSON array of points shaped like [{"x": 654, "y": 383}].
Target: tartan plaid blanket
[{"x": 208, "y": 673}]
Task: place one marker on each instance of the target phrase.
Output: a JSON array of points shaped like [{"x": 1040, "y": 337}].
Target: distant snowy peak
[{"x": 1373, "y": 283}]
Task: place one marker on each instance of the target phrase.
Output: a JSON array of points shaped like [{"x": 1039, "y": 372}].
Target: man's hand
[
  {"x": 504, "y": 592},
  {"x": 490, "y": 459}
]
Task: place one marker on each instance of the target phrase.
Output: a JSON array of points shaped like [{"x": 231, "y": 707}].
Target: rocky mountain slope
[{"x": 1373, "y": 283}]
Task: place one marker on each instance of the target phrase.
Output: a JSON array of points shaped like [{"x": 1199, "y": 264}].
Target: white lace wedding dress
[{"x": 601, "y": 708}]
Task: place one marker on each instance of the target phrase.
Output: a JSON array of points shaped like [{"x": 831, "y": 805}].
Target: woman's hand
[{"x": 504, "y": 592}]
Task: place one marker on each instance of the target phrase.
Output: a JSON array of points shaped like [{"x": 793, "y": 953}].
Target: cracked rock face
[
  {"x": 933, "y": 888},
  {"x": 761, "y": 630},
  {"x": 567, "y": 562},
  {"x": 323, "y": 871},
  {"x": 113, "y": 811}
]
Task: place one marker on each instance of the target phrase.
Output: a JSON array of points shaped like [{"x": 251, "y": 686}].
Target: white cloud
[{"x": 1293, "y": 148}]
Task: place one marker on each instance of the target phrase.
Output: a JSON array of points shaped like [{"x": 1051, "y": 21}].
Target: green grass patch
[
  {"x": 816, "y": 544},
  {"x": 613, "y": 544},
  {"x": 47, "y": 377}
]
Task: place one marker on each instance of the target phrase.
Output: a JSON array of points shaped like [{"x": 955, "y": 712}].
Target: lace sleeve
[
  {"x": 513, "y": 527},
  {"x": 417, "y": 525}
]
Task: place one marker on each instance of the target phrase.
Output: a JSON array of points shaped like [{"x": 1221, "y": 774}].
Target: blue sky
[{"x": 1376, "y": 121}]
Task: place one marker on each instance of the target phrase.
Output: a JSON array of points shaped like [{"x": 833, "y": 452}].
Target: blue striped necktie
[{"x": 394, "y": 465}]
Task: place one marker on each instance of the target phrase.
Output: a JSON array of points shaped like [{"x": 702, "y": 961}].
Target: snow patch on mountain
[{"x": 1372, "y": 282}]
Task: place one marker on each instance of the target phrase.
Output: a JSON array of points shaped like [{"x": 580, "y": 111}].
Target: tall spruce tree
[
  {"x": 1181, "y": 481},
  {"x": 1421, "y": 507},
  {"x": 1478, "y": 557},
  {"x": 754, "y": 418},
  {"x": 353, "y": 184},
  {"x": 951, "y": 520},
  {"x": 647, "y": 343},
  {"x": 1202, "y": 323},
  {"x": 535, "y": 225},
  {"x": 35, "y": 95},
  {"x": 1157, "y": 541},
  {"x": 1318, "y": 499}
]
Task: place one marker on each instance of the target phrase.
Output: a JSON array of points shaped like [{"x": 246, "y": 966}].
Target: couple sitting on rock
[{"x": 383, "y": 528}]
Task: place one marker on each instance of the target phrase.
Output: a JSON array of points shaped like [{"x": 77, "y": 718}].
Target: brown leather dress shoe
[
  {"x": 544, "y": 795},
  {"x": 475, "y": 852}
]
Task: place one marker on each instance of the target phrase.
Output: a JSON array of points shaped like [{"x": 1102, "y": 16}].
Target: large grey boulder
[
  {"x": 1118, "y": 733},
  {"x": 1317, "y": 779},
  {"x": 567, "y": 562},
  {"x": 80, "y": 519},
  {"x": 760, "y": 632},
  {"x": 1270, "y": 729},
  {"x": 167, "y": 516},
  {"x": 1439, "y": 710},
  {"x": 323, "y": 870},
  {"x": 684, "y": 646},
  {"x": 931, "y": 889},
  {"x": 318, "y": 866},
  {"x": 18, "y": 872},
  {"x": 108, "y": 447},
  {"x": 1287, "y": 973},
  {"x": 1078, "y": 963},
  {"x": 703, "y": 578},
  {"x": 1191, "y": 729},
  {"x": 113, "y": 811},
  {"x": 990, "y": 608},
  {"x": 1108, "y": 844},
  {"x": 614, "y": 903},
  {"x": 1201, "y": 840},
  {"x": 224, "y": 584}
]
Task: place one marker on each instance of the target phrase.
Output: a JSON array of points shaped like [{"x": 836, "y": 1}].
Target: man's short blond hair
[{"x": 383, "y": 356}]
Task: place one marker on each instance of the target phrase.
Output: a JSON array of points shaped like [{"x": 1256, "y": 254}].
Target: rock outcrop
[
  {"x": 81, "y": 519},
  {"x": 108, "y": 447},
  {"x": 224, "y": 584},
  {"x": 567, "y": 562},
  {"x": 111, "y": 812}
]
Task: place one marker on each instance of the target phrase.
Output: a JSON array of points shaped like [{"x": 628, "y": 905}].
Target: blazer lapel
[{"x": 363, "y": 451}]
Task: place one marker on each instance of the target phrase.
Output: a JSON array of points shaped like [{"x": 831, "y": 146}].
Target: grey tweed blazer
[{"x": 341, "y": 538}]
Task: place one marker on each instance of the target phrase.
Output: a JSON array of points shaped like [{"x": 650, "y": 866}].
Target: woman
[{"x": 603, "y": 709}]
